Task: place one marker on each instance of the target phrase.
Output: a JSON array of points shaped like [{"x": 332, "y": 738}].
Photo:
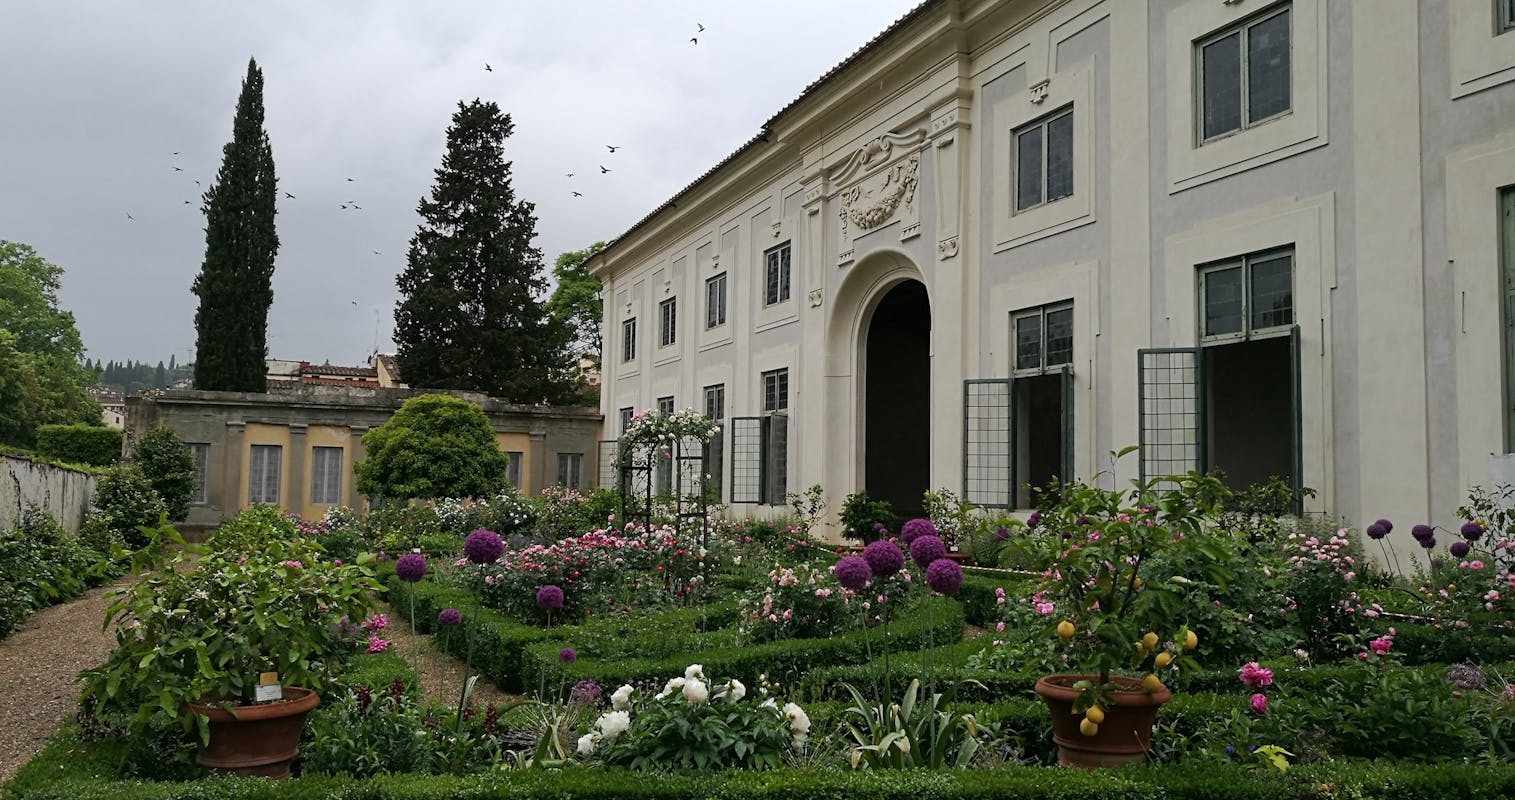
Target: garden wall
[{"x": 63, "y": 493}]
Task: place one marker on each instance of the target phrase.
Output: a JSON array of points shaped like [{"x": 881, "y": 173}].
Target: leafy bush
[
  {"x": 434, "y": 446},
  {"x": 169, "y": 467},
  {"x": 125, "y": 501},
  {"x": 95, "y": 445},
  {"x": 368, "y": 731},
  {"x": 860, "y": 516},
  {"x": 802, "y": 602},
  {"x": 40, "y": 564}
]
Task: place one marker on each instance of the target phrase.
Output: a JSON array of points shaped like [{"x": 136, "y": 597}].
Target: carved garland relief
[{"x": 879, "y": 183}]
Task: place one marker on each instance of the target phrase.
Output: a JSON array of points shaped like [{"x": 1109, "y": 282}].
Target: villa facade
[{"x": 1007, "y": 237}]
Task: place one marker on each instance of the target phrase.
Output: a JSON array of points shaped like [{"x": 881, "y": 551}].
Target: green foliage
[
  {"x": 80, "y": 443},
  {"x": 169, "y": 467},
  {"x": 235, "y": 284},
  {"x": 729, "y": 730},
  {"x": 910, "y": 733},
  {"x": 860, "y": 515},
  {"x": 254, "y": 604},
  {"x": 40, "y": 564},
  {"x": 435, "y": 446},
  {"x": 124, "y": 503},
  {"x": 469, "y": 316},
  {"x": 373, "y": 731},
  {"x": 576, "y": 300},
  {"x": 42, "y": 373}
]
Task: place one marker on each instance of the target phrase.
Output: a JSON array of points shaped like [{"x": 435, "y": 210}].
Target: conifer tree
[
  {"x": 235, "y": 284},
  {"x": 470, "y": 314}
]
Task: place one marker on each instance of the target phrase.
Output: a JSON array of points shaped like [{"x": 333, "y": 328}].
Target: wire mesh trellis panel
[
  {"x": 1171, "y": 410},
  {"x": 988, "y": 468},
  {"x": 747, "y": 483},
  {"x": 607, "y": 469}
]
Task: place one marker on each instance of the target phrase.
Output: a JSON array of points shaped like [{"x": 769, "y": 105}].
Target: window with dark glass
[
  {"x": 776, "y": 275},
  {"x": 626, "y": 415},
  {"x": 665, "y": 405},
  {"x": 715, "y": 301},
  {"x": 1244, "y": 73},
  {"x": 1504, "y": 16},
  {"x": 513, "y": 467},
  {"x": 201, "y": 452},
  {"x": 570, "y": 469},
  {"x": 775, "y": 390},
  {"x": 1246, "y": 296},
  {"x": 629, "y": 339},
  {"x": 1043, "y": 337},
  {"x": 668, "y": 321},
  {"x": 1044, "y": 160}
]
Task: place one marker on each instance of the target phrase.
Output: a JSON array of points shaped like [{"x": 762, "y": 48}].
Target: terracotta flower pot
[
  {"x": 1123, "y": 737},
  {"x": 260, "y": 740}
]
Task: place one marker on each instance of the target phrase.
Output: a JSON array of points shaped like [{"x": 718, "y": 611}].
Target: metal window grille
[
  {"x": 513, "y": 467},
  {"x": 988, "y": 423},
  {"x": 201, "y": 452},
  {"x": 629, "y": 339},
  {"x": 747, "y": 461},
  {"x": 326, "y": 476},
  {"x": 607, "y": 453},
  {"x": 776, "y": 458},
  {"x": 715, "y": 301},
  {"x": 264, "y": 462},
  {"x": 1170, "y": 408},
  {"x": 1244, "y": 74},
  {"x": 668, "y": 321},
  {"x": 1044, "y": 160}
]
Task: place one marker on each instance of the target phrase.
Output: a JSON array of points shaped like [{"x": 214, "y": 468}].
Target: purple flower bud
[
  {"x": 1376, "y": 531},
  {"x": 926, "y": 549},
  {"x": 884, "y": 558},
  {"x": 1034, "y": 520},
  {"x": 1459, "y": 549},
  {"x": 411, "y": 567},
  {"x": 550, "y": 598},
  {"x": 483, "y": 547},
  {"x": 1422, "y": 533},
  {"x": 1002, "y": 534},
  {"x": 1428, "y": 543},
  {"x": 1388, "y": 527},
  {"x": 450, "y": 617},
  {"x": 567, "y": 656},
  {"x": 916, "y": 528},
  {"x": 852, "y": 572},
  {"x": 1472, "y": 531},
  {"x": 944, "y": 576}
]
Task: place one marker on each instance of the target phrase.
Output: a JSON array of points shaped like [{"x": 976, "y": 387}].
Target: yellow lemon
[
  {"x": 1150, "y": 640},
  {"x": 1095, "y": 714},
  {"x": 1192, "y": 641},
  {"x": 1136, "y": 583},
  {"x": 1065, "y": 629},
  {"x": 1164, "y": 659},
  {"x": 1152, "y": 684},
  {"x": 1088, "y": 727}
]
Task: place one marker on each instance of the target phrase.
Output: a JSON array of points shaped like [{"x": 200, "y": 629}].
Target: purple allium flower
[
  {"x": 852, "y": 572},
  {"x": 1034, "y": 520},
  {"x": 1472, "y": 531},
  {"x": 1422, "y": 533},
  {"x": 1377, "y": 531},
  {"x": 880, "y": 529},
  {"x": 567, "y": 656},
  {"x": 1438, "y": 563},
  {"x": 926, "y": 549},
  {"x": 1428, "y": 543},
  {"x": 1002, "y": 534},
  {"x": 884, "y": 558},
  {"x": 449, "y": 618},
  {"x": 1388, "y": 527},
  {"x": 411, "y": 567},
  {"x": 550, "y": 598},
  {"x": 585, "y": 693},
  {"x": 1082, "y": 520},
  {"x": 483, "y": 547},
  {"x": 944, "y": 576},
  {"x": 916, "y": 528},
  {"x": 1459, "y": 549}
]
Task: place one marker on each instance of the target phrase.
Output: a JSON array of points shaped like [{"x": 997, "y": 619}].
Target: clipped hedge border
[{"x": 1357, "y": 780}]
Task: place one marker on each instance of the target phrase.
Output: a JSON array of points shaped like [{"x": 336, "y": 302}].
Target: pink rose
[
  {"x": 1253, "y": 674},
  {"x": 1260, "y": 703},
  {"x": 1381, "y": 645}
]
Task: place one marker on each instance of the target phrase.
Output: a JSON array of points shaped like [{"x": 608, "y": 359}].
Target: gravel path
[
  {"x": 441, "y": 674},
  {"x": 38, "y": 664}
]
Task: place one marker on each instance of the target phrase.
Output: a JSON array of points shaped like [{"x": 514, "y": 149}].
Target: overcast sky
[{"x": 96, "y": 96}]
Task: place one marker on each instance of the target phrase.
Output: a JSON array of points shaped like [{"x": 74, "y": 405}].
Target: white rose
[
  {"x": 799, "y": 721},
  {"x": 612, "y": 724},
  {"x": 735, "y": 691},
  {"x": 695, "y": 692},
  {"x": 769, "y": 703},
  {"x": 673, "y": 685},
  {"x": 586, "y": 744},
  {"x": 621, "y": 699},
  {"x": 694, "y": 672}
]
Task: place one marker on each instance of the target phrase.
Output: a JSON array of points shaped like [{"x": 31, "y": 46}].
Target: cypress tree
[
  {"x": 235, "y": 284},
  {"x": 470, "y": 314}
]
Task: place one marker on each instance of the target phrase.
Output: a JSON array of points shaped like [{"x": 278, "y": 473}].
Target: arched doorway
[{"x": 897, "y": 398}]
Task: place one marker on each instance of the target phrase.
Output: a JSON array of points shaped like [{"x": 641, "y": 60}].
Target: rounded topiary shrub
[
  {"x": 169, "y": 467},
  {"x": 126, "y": 500},
  {"x": 435, "y": 446}
]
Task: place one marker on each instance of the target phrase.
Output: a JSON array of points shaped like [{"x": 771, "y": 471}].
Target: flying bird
[
  {"x": 178, "y": 169},
  {"x": 349, "y": 180},
  {"x": 186, "y": 202},
  {"x": 603, "y": 170},
  {"x": 701, "y": 27},
  {"x": 354, "y": 302},
  {"x": 174, "y": 153},
  {"x": 695, "y": 40},
  {"x": 130, "y": 217},
  {"x": 568, "y": 174},
  {"x": 488, "y": 68},
  {"x": 612, "y": 147},
  {"x": 578, "y": 194},
  {"x": 358, "y": 207},
  {"x": 377, "y": 253},
  {"x": 344, "y": 205},
  {"x": 290, "y": 196}
]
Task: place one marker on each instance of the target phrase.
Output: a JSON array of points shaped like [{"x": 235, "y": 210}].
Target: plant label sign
[{"x": 268, "y": 689}]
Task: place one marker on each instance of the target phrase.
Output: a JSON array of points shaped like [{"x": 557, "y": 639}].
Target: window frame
[
  {"x": 513, "y": 467},
  {"x": 319, "y": 494},
  {"x": 778, "y": 261},
  {"x": 625, "y": 415},
  {"x": 1043, "y": 123},
  {"x": 715, "y": 301},
  {"x": 1245, "y": 262},
  {"x": 668, "y": 322},
  {"x": 716, "y": 392},
  {"x": 628, "y": 340},
  {"x": 780, "y": 379},
  {"x": 665, "y": 404},
  {"x": 200, "y": 451},
  {"x": 571, "y": 470},
  {"x": 260, "y": 496},
  {"x": 1041, "y": 312},
  {"x": 1504, "y": 17},
  {"x": 1242, "y": 27}
]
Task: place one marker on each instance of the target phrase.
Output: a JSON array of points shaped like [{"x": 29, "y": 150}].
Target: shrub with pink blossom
[{"x": 799, "y": 602}]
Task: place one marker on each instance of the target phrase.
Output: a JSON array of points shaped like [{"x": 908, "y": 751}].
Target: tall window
[
  {"x": 1248, "y": 296},
  {"x": 570, "y": 469},
  {"x": 1244, "y": 74},
  {"x": 1044, "y": 160},
  {"x": 665, "y": 405},
  {"x": 775, "y": 390},
  {"x": 776, "y": 275},
  {"x": 668, "y": 321},
  {"x": 263, "y": 464},
  {"x": 629, "y": 339},
  {"x": 326, "y": 476},
  {"x": 715, "y": 401},
  {"x": 715, "y": 449},
  {"x": 1504, "y": 16},
  {"x": 626, "y": 415},
  {"x": 1043, "y": 338},
  {"x": 1507, "y": 308},
  {"x": 201, "y": 452},
  {"x": 715, "y": 301},
  {"x": 513, "y": 469}
]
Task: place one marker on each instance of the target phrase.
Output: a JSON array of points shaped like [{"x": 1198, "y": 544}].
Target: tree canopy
[
  {"x": 42, "y": 374},
  {"x": 470, "y": 314},
  {"x": 576, "y": 301},
  {"x": 235, "y": 284},
  {"x": 169, "y": 467},
  {"x": 434, "y": 446}
]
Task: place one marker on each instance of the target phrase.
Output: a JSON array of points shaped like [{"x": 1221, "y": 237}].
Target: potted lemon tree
[
  {"x": 201, "y": 644},
  {"x": 1119, "y": 628}
]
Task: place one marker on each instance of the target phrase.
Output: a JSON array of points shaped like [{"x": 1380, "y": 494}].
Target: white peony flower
[
  {"x": 696, "y": 692},
  {"x": 694, "y": 672},
  {"x": 612, "y": 724},
  {"x": 586, "y": 744},
  {"x": 735, "y": 691},
  {"x": 799, "y": 721},
  {"x": 673, "y": 685},
  {"x": 769, "y": 703},
  {"x": 621, "y": 699}
]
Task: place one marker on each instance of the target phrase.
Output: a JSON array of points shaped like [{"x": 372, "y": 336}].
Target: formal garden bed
[{"x": 746, "y": 659}]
